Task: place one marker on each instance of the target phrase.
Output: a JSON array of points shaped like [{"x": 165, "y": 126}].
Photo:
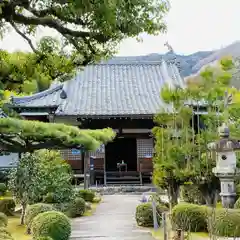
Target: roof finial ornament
[{"x": 169, "y": 47}]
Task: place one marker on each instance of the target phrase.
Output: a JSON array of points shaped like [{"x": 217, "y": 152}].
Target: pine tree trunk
[
  {"x": 173, "y": 193},
  {"x": 24, "y": 206}
]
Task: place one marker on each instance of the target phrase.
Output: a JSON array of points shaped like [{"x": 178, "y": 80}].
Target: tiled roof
[{"x": 109, "y": 89}]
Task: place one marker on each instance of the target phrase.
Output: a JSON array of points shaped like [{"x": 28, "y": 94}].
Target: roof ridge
[
  {"x": 135, "y": 62},
  {"x": 36, "y": 95}
]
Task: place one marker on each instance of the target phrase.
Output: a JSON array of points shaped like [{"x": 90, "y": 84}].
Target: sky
[{"x": 193, "y": 25}]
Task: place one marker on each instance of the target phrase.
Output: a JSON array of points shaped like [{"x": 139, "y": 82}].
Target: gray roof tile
[
  {"x": 2, "y": 114},
  {"x": 109, "y": 89}
]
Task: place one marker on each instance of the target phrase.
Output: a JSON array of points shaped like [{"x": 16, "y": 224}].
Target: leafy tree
[
  {"x": 186, "y": 158},
  {"x": 91, "y": 28},
  {"x": 22, "y": 181},
  {"x": 54, "y": 177},
  {"x": 21, "y": 136},
  {"x": 22, "y": 72},
  {"x": 40, "y": 173}
]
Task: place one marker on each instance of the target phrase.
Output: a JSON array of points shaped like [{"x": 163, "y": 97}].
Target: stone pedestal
[{"x": 226, "y": 169}]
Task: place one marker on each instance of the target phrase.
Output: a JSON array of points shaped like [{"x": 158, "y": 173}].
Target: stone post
[{"x": 226, "y": 169}]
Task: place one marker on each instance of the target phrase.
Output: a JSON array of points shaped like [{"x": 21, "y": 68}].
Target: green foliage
[
  {"x": 22, "y": 180},
  {"x": 7, "y": 206},
  {"x": 4, "y": 234},
  {"x": 92, "y": 29},
  {"x": 77, "y": 208},
  {"x": 181, "y": 152},
  {"x": 189, "y": 217},
  {"x": 144, "y": 214},
  {"x": 86, "y": 194},
  {"x": 49, "y": 198},
  {"x": 191, "y": 194},
  {"x": 35, "y": 209},
  {"x": 225, "y": 223},
  {"x": 3, "y": 189},
  {"x": 237, "y": 204},
  {"x": 53, "y": 224},
  {"x": 54, "y": 177},
  {"x": 44, "y": 238},
  {"x": 26, "y": 136},
  {"x": 3, "y": 220}
]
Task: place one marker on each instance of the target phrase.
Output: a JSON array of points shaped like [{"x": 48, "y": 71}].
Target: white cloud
[{"x": 193, "y": 25}]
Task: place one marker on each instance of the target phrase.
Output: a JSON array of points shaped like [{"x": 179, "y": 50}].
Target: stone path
[{"x": 114, "y": 219}]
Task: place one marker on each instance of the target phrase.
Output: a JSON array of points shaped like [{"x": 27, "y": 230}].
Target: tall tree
[
  {"x": 186, "y": 158},
  {"x": 92, "y": 28}
]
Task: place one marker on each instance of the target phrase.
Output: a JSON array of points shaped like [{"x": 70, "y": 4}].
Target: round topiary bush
[
  {"x": 52, "y": 224},
  {"x": 225, "y": 223},
  {"x": 86, "y": 194},
  {"x": 4, "y": 234},
  {"x": 144, "y": 214},
  {"x": 3, "y": 220},
  {"x": 3, "y": 189},
  {"x": 189, "y": 217},
  {"x": 77, "y": 208},
  {"x": 33, "y": 210}
]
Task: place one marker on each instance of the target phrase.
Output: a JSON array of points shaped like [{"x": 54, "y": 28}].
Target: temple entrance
[{"x": 121, "y": 149}]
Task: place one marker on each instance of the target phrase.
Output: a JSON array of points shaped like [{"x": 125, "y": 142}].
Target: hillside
[{"x": 188, "y": 64}]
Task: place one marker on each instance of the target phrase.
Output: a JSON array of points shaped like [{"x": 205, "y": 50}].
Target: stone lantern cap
[{"x": 225, "y": 144}]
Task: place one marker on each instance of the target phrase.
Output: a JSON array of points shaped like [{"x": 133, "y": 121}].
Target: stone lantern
[{"x": 226, "y": 169}]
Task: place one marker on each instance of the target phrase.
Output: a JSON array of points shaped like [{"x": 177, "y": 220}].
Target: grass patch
[
  {"x": 192, "y": 236},
  {"x": 18, "y": 231}
]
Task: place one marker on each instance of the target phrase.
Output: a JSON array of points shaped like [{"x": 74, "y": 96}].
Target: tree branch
[
  {"x": 55, "y": 24},
  {"x": 24, "y": 36}
]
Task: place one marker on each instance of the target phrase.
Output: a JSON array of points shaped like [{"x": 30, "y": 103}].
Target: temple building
[{"x": 124, "y": 96}]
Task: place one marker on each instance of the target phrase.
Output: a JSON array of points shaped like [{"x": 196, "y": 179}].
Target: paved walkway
[{"x": 114, "y": 219}]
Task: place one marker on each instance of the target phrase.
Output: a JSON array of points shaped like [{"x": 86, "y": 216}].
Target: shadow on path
[{"x": 114, "y": 219}]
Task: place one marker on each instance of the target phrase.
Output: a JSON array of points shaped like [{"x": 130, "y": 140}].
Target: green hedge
[
  {"x": 49, "y": 198},
  {"x": 3, "y": 220},
  {"x": 190, "y": 217},
  {"x": 144, "y": 214},
  {"x": 4, "y": 234},
  {"x": 7, "y": 206},
  {"x": 86, "y": 194},
  {"x": 35, "y": 209},
  {"x": 77, "y": 208},
  {"x": 52, "y": 224},
  {"x": 225, "y": 222},
  {"x": 3, "y": 189}
]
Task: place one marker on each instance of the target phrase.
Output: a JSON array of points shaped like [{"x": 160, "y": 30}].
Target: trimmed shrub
[
  {"x": 33, "y": 210},
  {"x": 3, "y": 189},
  {"x": 49, "y": 198},
  {"x": 144, "y": 214},
  {"x": 77, "y": 208},
  {"x": 86, "y": 194},
  {"x": 189, "y": 217},
  {"x": 3, "y": 220},
  {"x": 7, "y": 206},
  {"x": 62, "y": 207},
  {"x": 237, "y": 203},
  {"x": 225, "y": 223},
  {"x": 52, "y": 224},
  {"x": 4, "y": 234}
]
